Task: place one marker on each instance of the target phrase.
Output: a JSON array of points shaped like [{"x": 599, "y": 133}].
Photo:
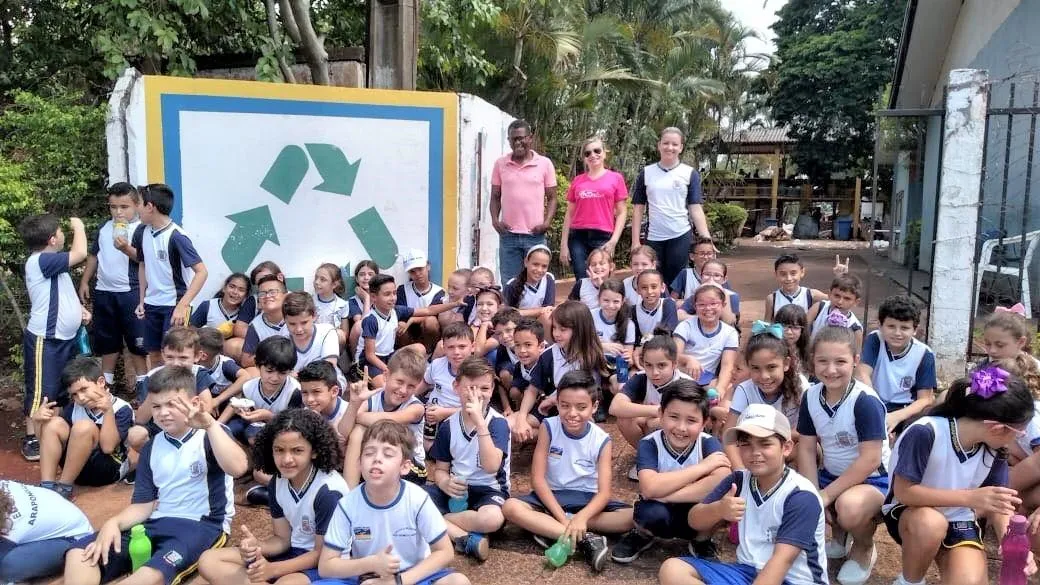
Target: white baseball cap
[
  {"x": 414, "y": 258},
  {"x": 759, "y": 420}
]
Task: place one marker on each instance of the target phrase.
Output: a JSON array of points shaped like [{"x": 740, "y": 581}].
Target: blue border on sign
[{"x": 174, "y": 104}]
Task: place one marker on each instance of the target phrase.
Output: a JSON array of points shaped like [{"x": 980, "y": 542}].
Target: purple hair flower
[
  {"x": 837, "y": 319},
  {"x": 988, "y": 382}
]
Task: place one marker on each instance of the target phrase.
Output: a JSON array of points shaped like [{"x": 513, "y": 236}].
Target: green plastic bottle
[
  {"x": 140, "y": 548},
  {"x": 558, "y": 553}
]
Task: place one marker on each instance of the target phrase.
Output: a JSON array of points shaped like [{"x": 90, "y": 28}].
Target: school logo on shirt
[
  {"x": 362, "y": 533},
  {"x": 906, "y": 383},
  {"x": 845, "y": 439},
  {"x": 406, "y": 532},
  {"x": 161, "y": 254},
  {"x": 586, "y": 463},
  {"x": 771, "y": 534},
  {"x": 306, "y": 526},
  {"x": 196, "y": 469},
  {"x": 555, "y": 452}
]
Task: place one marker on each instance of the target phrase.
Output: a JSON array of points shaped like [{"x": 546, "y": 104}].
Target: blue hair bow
[{"x": 774, "y": 329}]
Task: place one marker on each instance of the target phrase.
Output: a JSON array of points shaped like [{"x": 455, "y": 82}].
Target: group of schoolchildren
[{"x": 379, "y": 428}]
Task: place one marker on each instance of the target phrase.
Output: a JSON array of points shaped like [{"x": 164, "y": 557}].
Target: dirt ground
[{"x": 514, "y": 558}]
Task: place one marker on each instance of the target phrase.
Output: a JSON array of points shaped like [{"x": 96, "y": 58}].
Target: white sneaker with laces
[{"x": 853, "y": 573}]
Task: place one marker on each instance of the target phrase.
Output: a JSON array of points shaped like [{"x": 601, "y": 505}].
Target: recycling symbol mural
[{"x": 284, "y": 180}]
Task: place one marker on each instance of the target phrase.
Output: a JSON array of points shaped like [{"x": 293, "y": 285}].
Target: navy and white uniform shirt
[
  {"x": 409, "y": 296},
  {"x": 310, "y": 509},
  {"x": 168, "y": 255},
  {"x": 898, "y": 378},
  {"x": 665, "y": 315},
  {"x": 654, "y": 452},
  {"x": 858, "y": 417},
  {"x": 586, "y": 292},
  {"x": 532, "y": 296},
  {"x": 55, "y": 311},
  {"x": 461, "y": 448},
  {"x": 212, "y": 313},
  {"x": 411, "y": 523},
  {"x": 929, "y": 453},
  {"x": 791, "y": 512},
  {"x": 116, "y": 272},
  {"x": 802, "y": 298},
  {"x": 183, "y": 475},
  {"x": 573, "y": 459},
  {"x": 40, "y": 514}
]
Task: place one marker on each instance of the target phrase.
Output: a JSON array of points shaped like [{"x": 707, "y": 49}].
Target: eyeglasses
[
  {"x": 268, "y": 293},
  {"x": 593, "y": 151},
  {"x": 519, "y": 138},
  {"x": 704, "y": 254},
  {"x": 1018, "y": 432}
]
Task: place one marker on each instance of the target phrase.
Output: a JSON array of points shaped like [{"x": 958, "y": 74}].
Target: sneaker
[
  {"x": 594, "y": 547},
  {"x": 631, "y": 545},
  {"x": 704, "y": 549},
  {"x": 542, "y": 541},
  {"x": 474, "y": 545},
  {"x": 130, "y": 477},
  {"x": 258, "y": 496},
  {"x": 633, "y": 473},
  {"x": 836, "y": 548},
  {"x": 31, "y": 448},
  {"x": 853, "y": 573}
]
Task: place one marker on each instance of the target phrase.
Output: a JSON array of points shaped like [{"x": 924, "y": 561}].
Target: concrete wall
[
  {"x": 482, "y": 140},
  {"x": 977, "y": 23},
  {"x": 218, "y": 143}
]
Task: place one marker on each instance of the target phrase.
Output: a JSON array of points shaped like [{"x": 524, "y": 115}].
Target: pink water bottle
[{"x": 1015, "y": 551}]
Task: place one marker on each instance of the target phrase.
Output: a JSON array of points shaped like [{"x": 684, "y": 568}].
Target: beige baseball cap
[{"x": 760, "y": 420}]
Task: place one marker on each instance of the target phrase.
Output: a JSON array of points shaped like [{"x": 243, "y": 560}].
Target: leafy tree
[{"x": 833, "y": 61}]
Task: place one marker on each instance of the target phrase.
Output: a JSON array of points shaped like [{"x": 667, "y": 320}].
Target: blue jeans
[
  {"x": 672, "y": 255},
  {"x": 580, "y": 243},
  {"x": 512, "y": 248},
  {"x": 34, "y": 560}
]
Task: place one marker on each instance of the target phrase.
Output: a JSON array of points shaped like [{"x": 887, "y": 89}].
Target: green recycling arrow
[
  {"x": 375, "y": 237},
  {"x": 337, "y": 173},
  {"x": 286, "y": 173},
  {"x": 252, "y": 228}
]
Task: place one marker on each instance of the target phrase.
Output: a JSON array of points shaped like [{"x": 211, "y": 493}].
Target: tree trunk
[
  {"x": 276, "y": 36},
  {"x": 313, "y": 46}
]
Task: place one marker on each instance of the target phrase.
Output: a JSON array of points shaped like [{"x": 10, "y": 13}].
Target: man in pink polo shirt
[{"x": 523, "y": 199}]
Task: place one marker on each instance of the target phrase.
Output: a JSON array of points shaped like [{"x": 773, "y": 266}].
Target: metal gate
[{"x": 1008, "y": 221}]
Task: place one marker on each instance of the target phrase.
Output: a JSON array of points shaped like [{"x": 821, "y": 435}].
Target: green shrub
[
  {"x": 725, "y": 220},
  {"x": 18, "y": 200}
]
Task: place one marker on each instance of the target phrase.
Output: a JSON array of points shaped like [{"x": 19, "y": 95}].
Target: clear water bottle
[
  {"x": 621, "y": 365},
  {"x": 120, "y": 230},
  {"x": 83, "y": 340},
  {"x": 140, "y": 547},
  {"x": 459, "y": 503},
  {"x": 1014, "y": 551}
]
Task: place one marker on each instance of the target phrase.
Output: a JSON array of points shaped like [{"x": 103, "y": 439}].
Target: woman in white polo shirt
[{"x": 672, "y": 190}]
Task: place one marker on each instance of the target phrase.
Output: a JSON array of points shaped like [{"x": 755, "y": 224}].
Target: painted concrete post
[{"x": 957, "y": 221}]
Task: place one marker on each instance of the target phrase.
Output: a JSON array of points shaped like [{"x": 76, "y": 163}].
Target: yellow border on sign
[{"x": 156, "y": 86}]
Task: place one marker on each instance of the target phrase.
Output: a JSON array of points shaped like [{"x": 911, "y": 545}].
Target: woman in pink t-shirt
[{"x": 596, "y": 209}]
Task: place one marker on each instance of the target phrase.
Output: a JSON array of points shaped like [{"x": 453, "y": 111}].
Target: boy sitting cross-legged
[
  {"x": 387, "y": 531},
  {"x": 471, "y": 455},
  {"x": 86, "y": 438},
  {"x": 778, "y": 512},
  {"x": 183, "y": 494},
  {"x": 678, "y": 466},
  {"x": 396, "y": 402}
]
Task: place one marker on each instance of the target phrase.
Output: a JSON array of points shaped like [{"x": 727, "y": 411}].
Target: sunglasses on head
[{"x": 593, "y": 151}]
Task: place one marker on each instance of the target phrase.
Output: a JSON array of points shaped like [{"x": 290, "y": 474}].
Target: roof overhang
[{"x": 928, "y": 27}]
